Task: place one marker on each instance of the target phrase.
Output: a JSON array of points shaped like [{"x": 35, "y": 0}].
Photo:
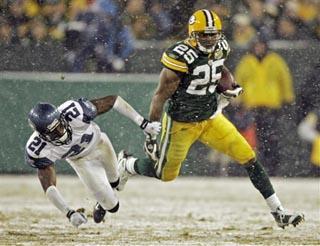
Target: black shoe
[
  {"x": 98, "y": 213},
  {"x": 284, "y": 218}
]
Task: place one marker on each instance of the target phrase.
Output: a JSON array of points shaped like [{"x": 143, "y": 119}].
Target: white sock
[
  {"x": 274, "y": 203},
  {"x": 130, "y": 165}
]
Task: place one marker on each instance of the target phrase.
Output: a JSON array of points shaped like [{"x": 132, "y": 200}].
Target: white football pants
[{"x": 97, "y": 169}]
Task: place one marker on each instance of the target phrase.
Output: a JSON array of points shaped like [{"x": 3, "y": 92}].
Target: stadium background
[
  {"x": 52, "y": 50},
  {"x": 40, "y": 42}
]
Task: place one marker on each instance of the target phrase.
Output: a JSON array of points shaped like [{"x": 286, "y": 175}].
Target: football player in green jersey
[{"x": 188, "y": 83}]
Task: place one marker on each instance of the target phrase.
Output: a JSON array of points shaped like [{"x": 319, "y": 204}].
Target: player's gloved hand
[
  {"x": 231, "y": 93},
  {"x": 151, "y": 148},
  {"x": 77, "y": 218},
  {"x": 150, "y": 127}
]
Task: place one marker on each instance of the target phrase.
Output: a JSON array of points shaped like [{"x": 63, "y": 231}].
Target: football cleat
[
  {"x": 123, "y": 158},
  {"x": 284, "y": 218},
  {"x": 98, "y": 213}
]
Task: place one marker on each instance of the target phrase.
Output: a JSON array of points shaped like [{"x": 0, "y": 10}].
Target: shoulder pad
[
  {"x": 89, "y": 110},
  {"x": 173, "y": 57},
  {"x": 222, "y": 49}
]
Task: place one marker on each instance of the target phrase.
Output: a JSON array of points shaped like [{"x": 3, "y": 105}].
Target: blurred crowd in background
[{"x": 109, "y": 29}]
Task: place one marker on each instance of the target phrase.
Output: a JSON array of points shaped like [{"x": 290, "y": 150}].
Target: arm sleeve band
[
  {"x": 56, "y": 199},
  {"x": 125, "y": 109}
]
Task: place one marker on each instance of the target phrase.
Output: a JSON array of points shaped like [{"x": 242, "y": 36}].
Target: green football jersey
[{"x": 195, "y": 98}]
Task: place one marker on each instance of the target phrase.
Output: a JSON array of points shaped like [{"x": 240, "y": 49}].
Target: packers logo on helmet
[{"x": 205, "y": 30}]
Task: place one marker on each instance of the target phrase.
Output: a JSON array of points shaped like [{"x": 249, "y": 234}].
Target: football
[{"x": 226, "y": 82}]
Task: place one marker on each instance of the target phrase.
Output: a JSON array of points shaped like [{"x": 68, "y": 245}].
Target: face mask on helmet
[
  {"x": 59, "y": 133},
  {"x": 50, "y": 124},
  {"x": 207, "y": 42}
]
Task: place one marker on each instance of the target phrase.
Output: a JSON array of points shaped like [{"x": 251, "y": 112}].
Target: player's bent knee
[
  {"x": 114, "y": 209},
  {"x": 239, "y": 149},
  {"x": 247, "y": 157}
]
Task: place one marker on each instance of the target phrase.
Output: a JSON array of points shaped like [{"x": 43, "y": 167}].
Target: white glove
[
  {"x": 237, "y": 91},
  {"x": 77, "y": 218},
  {"x": 151, "y": 127},
  {"x": 222, "y": 102}
]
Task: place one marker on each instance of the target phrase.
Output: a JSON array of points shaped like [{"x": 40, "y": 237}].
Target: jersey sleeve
[
  {"x": 173, "y": 59},
  {"x": 39, "y": 163},
  {"x": 37, "y": 153}
]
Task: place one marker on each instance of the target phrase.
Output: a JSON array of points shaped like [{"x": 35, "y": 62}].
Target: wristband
[
  {"x": 144, "y": 124},
  {"x": 70, "y": 212}
]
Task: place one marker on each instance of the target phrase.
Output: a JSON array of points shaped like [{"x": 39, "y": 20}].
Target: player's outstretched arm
[
  {"x": 47, "y": 177},
  {"x": 120, "y": 105},
  {"x": 169, "y": 82},
  {"x": 104, "y": 104}
]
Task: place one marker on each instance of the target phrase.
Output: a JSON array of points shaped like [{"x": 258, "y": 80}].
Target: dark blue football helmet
[{"x": 51, "y": 125}]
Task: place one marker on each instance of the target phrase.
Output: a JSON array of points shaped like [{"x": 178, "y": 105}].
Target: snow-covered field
[{"x": 188, "y": 211}]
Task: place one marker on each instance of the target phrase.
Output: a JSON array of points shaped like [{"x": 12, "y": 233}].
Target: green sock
[
  {"x": 260, "y": 179},
  {"x": 145, "y": 167}
]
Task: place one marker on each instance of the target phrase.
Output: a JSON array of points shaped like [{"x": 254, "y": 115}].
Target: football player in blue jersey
[
  {"x": 188, "y": 83},
  {"x": 68, "y": 132}
]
